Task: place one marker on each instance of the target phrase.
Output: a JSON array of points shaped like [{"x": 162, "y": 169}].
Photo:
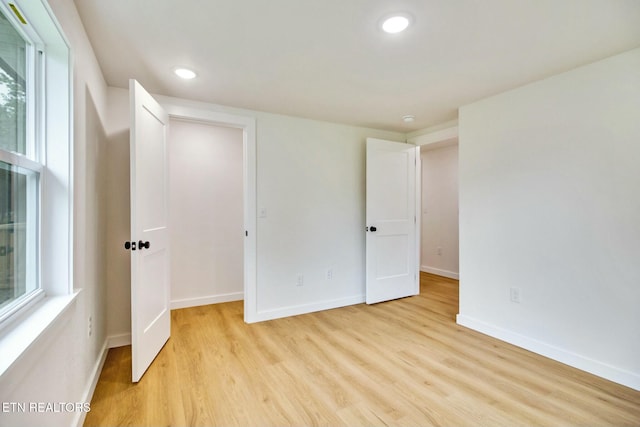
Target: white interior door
[
  {"x": 150, "y": 285},
  {"x": 392, "y": 227}
]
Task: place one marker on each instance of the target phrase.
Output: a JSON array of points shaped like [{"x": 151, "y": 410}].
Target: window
[
  {"x": 36, "y": 175},
  {"x": 36, "y": 199},
  {"x": 20, "y": 169}
]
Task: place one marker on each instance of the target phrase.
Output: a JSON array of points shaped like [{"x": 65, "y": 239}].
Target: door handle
[
  {"x": 373, "y": 228},
  {"x": 143, "y": 245},
  {"x": 130, "y": 245}
]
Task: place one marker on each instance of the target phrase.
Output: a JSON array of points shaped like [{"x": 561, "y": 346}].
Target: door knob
[
  {"x": 130, "y": 245},
  {"x": 373, "y": 228},
  {"x": 143, "y": 245}
]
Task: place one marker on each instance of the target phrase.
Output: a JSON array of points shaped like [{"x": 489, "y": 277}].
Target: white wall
[
  {"x": 206, "y": 213},
  {"x": 550, "y": 204},
  {"x": 439, "y": 239},
  {"x": 61, "y": 365},
  {"x": 119, "y": 218},
  {"x": 310, "y": 180}
]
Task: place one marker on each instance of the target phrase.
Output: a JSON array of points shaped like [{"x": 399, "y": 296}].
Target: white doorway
[
  {"x": 206, "y": 213},
  {"x": 181, "y": 114},
  {"x": 439, "y": 249}
]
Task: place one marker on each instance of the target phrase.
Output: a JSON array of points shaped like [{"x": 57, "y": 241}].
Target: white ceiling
[{"x": 328, "y": 59}]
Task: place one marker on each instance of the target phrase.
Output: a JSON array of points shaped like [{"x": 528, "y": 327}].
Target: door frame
[
  {"x": 248, "y": 126},
  {"x": 443, "y": 137}
]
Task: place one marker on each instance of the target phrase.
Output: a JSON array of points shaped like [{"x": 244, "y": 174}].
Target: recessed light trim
[
  {"x": 184, "y": 73},
  {"x": 395, "y": 23}
]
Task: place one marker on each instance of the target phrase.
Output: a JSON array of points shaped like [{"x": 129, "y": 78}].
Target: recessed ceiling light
[
  {"x": 395, "y": 23},
  {"x": 408, "y": 118},
  {"x": 184, "y": 73}
]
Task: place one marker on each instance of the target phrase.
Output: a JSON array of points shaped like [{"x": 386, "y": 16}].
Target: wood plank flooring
[{"x": 399, "y": 363}]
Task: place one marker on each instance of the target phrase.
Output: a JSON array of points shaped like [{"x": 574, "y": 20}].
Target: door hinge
[{"x": 246, "y": 233}]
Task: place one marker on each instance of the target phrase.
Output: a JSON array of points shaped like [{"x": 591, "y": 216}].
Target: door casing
[{"x": 248, "y": 126}]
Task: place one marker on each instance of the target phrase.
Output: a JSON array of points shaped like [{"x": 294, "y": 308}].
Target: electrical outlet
[
  {"x": 516, "y": 295},
  {"x": 439, "y": 251},
  {"x": 90, "y": 326},
  {"x": 329, "y": 274},
  {"x": 300, "y": 281}
]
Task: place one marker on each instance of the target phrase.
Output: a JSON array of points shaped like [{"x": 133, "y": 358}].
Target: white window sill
[{"x": 18, "y": 337}]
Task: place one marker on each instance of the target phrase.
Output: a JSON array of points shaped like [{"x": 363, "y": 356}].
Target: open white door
[
  {"x": 392, "y": 228},
  {"x": 150, "y": 310}
]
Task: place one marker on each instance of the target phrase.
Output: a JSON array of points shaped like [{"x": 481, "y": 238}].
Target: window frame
[
  {"x": 29, "y": 161},
  {"x": 48, "y": 154}
]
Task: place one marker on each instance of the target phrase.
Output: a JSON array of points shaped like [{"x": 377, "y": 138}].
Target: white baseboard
[
  {"x": 120, "y": 340},
  {"x": 211, "y": 299},
  {"x": 604, "y": 370},
  {"x": 91, "y": 386},
  {"x": 306, "y": 308},
  {"x": 439, "y": 272}
]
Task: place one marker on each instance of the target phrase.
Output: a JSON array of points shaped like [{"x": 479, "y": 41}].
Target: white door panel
[
  {"x": 150, "y": 286},
  {"x": 392, "y": 269}
]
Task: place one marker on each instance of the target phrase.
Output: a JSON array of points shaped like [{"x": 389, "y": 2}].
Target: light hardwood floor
[{"x": 403, "y": 363}]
